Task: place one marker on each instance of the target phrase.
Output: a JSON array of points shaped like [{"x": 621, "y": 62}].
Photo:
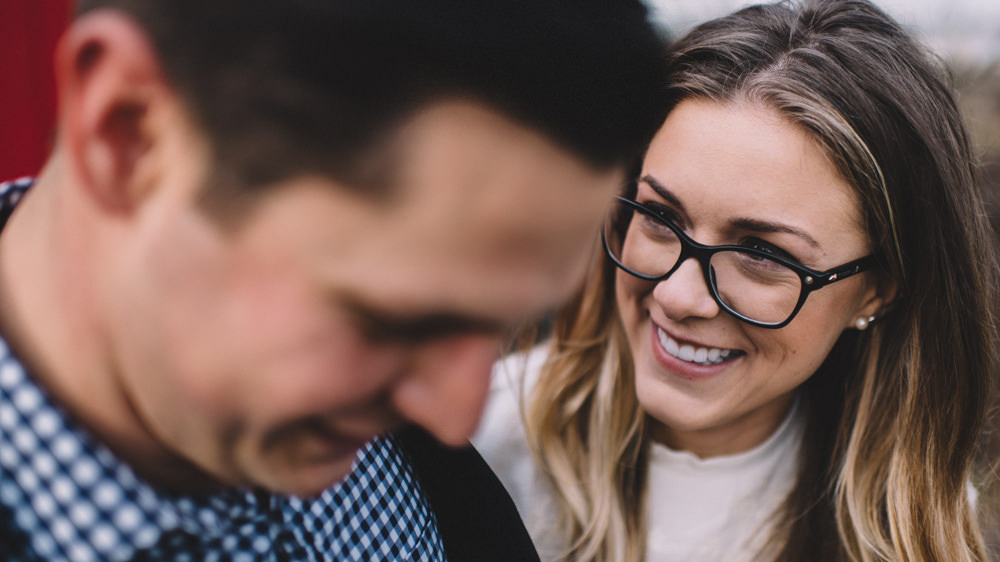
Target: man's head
[
  {"x": 282, "y": 88},
  {"x": 304, "y": 222}
]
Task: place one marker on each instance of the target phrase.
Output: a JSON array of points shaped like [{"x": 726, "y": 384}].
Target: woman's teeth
[{"x": 691, "y": 354}]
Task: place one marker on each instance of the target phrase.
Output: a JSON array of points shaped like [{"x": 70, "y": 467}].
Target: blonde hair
[
  {"x": 586, "y": 428},
  {"x": 894, "y": 412}
]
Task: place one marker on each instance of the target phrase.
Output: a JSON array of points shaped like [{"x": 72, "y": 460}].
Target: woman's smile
[
  {"x": 720, "y": 171},
  {"x": 689, "y": 359}
]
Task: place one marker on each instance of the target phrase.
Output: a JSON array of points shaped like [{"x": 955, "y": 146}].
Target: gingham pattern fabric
[{"x": 66, "y": 497}]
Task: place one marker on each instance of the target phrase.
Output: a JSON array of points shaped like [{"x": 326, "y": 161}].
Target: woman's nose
[{"x": 685, "y": 293}]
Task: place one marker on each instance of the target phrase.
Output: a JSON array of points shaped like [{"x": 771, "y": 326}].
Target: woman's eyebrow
[
  {"x": 663, "y": 192},
  {"x": 757, "y": 225},
  {"x": 745, "y": 223}
]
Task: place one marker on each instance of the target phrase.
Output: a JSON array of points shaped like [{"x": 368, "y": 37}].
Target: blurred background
[
  {"x": 966, "y": 35},
  {"x": 29, "y": 30}
]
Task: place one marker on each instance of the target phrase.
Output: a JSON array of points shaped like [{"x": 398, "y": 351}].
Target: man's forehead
[
  {"x": 485, "y": 234},
  {"x": 456, "y": 136},
  {"x": 474, "y": 177}
]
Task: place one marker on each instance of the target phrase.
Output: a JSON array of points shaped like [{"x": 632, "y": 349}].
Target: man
[{"x": 272, "y": 231}]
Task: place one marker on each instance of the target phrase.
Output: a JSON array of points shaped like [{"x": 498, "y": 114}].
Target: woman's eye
[
  {"x": 770, "y": 249},
  {"x": 663, "y": 212}
]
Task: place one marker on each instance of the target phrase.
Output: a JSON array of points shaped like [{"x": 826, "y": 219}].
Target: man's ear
[{"x": 109, "y": 80}]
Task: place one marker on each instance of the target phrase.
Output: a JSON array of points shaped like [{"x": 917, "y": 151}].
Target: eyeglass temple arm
[{"x": 849, "y": 269}]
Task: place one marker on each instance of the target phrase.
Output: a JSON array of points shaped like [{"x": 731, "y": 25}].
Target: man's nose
[{"x": 445, "y": 391}]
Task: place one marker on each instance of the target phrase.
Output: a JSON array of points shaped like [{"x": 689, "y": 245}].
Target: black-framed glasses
[{"x": 753, "y": 284}]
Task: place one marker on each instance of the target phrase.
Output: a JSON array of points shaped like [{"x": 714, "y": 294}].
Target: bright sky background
[{"x": 967, "y": 30}]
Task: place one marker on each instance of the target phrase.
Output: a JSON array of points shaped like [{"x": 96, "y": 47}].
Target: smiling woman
[
  {"x": 773, "y": 175},
  {"x": 786, "y": 354}
]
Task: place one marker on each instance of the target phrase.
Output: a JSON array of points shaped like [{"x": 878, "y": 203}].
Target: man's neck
[{"x": 49, "y": 317}]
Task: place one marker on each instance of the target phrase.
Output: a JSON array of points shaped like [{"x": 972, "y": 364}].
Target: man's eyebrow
[
  {"x": 382, "y": 325},
  {"x": 757, "y": 225}
]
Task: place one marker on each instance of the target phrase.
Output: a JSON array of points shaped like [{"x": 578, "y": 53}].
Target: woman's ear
[
  {"x": 109, "y": 80},
  {"x": 880, "y": 294}
]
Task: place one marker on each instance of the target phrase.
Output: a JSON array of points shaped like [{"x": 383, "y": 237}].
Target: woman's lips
[
  {"x": 691, "y": 352},
  {"x": 689, "y": 359}
]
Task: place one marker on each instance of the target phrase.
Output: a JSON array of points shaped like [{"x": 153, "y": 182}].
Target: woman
[{"x": 785, "y": 352}]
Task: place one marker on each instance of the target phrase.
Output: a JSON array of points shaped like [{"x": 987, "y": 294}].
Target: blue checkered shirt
[{"x": 66, "y": 497}]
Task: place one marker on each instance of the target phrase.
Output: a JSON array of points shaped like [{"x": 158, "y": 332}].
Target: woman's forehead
[{"x": 744, "y": 162}]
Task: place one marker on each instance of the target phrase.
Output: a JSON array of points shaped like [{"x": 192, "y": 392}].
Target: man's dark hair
[{"x": 286, "y": 87}]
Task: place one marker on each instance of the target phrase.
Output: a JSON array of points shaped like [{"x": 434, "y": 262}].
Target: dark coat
[{"x": 477, "y": 519}]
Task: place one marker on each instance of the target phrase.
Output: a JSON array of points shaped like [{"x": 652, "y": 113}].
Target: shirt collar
[
  {"x": 65, "y": 476},
  {"x": 10, "y": 194}
]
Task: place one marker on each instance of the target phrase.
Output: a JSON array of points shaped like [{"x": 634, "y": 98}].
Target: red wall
[{"x": 29, "y": 30}]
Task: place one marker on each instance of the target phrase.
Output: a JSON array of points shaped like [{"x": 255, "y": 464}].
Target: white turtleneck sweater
[{"x": 699, "y": 510}]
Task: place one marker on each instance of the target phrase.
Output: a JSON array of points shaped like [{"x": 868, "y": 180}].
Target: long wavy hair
[{"x": 894, "y": 412}]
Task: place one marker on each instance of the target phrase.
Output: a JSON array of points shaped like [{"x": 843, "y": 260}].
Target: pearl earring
[{"x": 862, "y": 323}]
